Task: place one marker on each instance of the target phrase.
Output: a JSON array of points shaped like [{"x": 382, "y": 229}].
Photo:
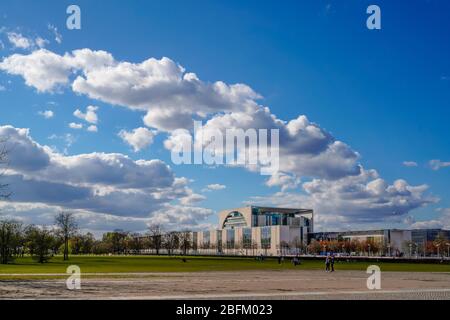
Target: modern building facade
[
  {"x": 421, "y": 236},
  {"x": 255, "y": 230},
  {"x": 393, "y": 239}
]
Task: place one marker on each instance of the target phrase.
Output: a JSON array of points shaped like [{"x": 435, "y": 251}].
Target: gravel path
[{"x": 304, "y": 284}]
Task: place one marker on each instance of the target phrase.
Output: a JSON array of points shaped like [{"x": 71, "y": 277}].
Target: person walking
[
  {"x": 327, "y": 263},
  {"x": 332, "y": 262}
]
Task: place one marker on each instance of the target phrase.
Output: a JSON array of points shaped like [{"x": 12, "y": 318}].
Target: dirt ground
[{"x": 293, "y": 284}]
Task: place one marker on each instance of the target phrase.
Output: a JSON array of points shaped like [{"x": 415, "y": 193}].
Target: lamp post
[
  {"x": 343, "y": 247},
  {"x": 448, "y": 249},
  {"x": 389, "y": 249},
  {"x": 417, "y": 250},
  {"x": 410, "y": 250},
  {"x": 369, "y": 249}
]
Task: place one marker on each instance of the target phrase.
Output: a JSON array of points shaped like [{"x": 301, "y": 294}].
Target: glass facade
[
  {"x": 266, "y": 237},
  {"x": 206, "y": 239},
  {"x": 240, "y": 225},
  {"x": 234, "y": 219},
  {"x": 194, "y": 240},
  {"x": 219, "y": 240},
  {"x": 262, "y": 217},
  {"x": 247, "y": 238},
  {"x": 230, "y": 239}
]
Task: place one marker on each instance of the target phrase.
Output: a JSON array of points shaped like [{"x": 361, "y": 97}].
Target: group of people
[
  {"x": 329, "y": 263},
  {"x": 295, "y": 260}
]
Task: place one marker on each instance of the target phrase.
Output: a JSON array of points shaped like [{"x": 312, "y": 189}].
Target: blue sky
[{"x": 384, "y": 93}]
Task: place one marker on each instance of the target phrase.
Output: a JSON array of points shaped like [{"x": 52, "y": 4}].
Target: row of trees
[
  {"x": 440, "y": 246},
  {"x": 63, "y": 238},
  {"x": 42, "y": 243},
  {"x": 156, "y": 239},
  {"x": 39, "y": 242}
]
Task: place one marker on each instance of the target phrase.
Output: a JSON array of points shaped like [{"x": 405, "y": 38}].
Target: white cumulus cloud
[
  {"x": 438, "y": 164},
  {"x": 47, "y": 114},
  {"x": 19, "y": 41},
  {"x": 170, "y": 98},
  {"x": 92, "y": 128},
  {"x": 214, "y": 187},
  {"x": 74, "y": 125},
  {"x": 100, "y": 186},
  {"x": 139, "y": 138},
  {"x": 89, "y": 116},
  {"x": 410, "y": 164}
]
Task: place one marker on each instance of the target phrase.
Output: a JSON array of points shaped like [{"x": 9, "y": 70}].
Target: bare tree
[
  {"x": 156, "y": 234},
  {"x": 67, "y": 227},
  {"x": 298, "y": 245},
  {"x": 185, "y": 241},
  {"x": 171, "y": 241},
  {"x": 4, "y": 194}
]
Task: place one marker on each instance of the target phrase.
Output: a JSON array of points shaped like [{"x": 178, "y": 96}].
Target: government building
[
  {"x": 269, "y": 231},
  {"x": 254, "y": 230}
]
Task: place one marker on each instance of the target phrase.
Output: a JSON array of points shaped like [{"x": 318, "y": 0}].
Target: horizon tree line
[{"x": 44, "y": 242}]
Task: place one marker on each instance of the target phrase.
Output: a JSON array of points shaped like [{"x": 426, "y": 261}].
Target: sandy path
[{"x": 305, "y": 284}]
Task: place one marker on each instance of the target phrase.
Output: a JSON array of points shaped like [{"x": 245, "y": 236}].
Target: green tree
[
  {"x": 88, "y": 241},
  {"x": 40, "y": 242},
  {"x": 116, "y": 241},
  {"x": 136, "y": 243},
  {"x": 67, "y": 227},
  {"x": 10, "y": 240}
]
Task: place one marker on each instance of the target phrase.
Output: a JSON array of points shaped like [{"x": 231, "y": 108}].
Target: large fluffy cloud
[
  {"x": 170, "y": 98},
  {"x": 99, "y": 183},
  {"x": 42, "y": 69},
  {"x": 305, "y": 149},
  {"x": 441, "y": 222},
  {"x": 364, "y": 199},
  {"x": 160, "y": 87},
  {"x": 172, "y": 217},
  {"x": 47, "y": 71}
]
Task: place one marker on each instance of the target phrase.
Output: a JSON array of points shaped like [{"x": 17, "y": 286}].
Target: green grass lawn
[{"x": 106, "y": 264}]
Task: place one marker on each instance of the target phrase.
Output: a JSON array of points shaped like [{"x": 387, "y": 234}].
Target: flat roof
[
  {"x": 282, "y": 210},
  {"x": 376, "y": 230},
  {"x": 355, "y": 232}
]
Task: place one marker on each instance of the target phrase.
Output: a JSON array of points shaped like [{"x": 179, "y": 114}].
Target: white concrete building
[{"x": 256, "y": 230}]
